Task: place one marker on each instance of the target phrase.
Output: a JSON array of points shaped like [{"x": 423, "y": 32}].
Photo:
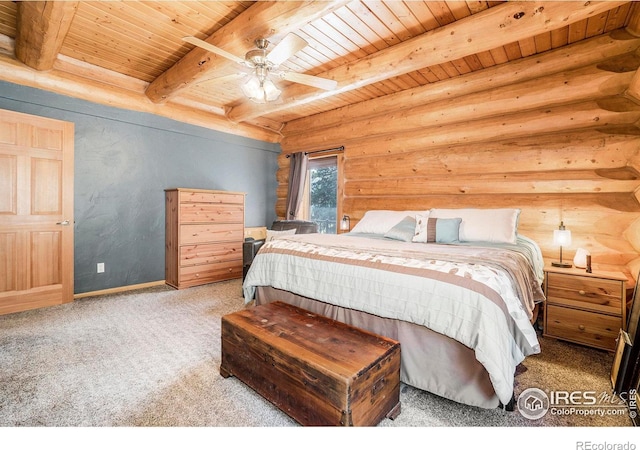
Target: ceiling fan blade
[
  {"x": 310, "y": 80},
  {"x": 212, "y": 48},
  {"x": 286, "y": 48}
]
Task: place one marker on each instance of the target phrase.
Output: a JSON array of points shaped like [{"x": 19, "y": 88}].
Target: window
[{"x": 320, "y": 203}]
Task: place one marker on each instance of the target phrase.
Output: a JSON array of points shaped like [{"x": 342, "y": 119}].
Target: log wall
[{"x": 555, "y": 135}]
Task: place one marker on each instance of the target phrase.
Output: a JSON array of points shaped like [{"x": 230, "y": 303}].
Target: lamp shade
[
  {"x": 252, "y": 87},
  {"x": 271, "y": 92},
  {"x": 261, "y": 91},
  {"x": 562, "y": 237}
]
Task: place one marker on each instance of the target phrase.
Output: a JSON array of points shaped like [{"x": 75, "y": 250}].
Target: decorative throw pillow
[
  {"x": 420, "y": 230},
  {"x": 403, "y": 230},
  {"x": 272, "y": 234},
  {"x": 443, "y": 231},
  {"x": 439, "y": 231}
]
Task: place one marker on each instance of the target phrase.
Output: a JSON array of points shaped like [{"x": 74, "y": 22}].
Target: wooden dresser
[
  {"x": 586, "y": 308},
  {"x": 204, "y": 232}
]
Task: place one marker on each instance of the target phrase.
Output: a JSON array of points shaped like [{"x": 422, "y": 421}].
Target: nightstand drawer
[
  {"x": 597, "y": 330},
  {"x": 595, "y": 294}
]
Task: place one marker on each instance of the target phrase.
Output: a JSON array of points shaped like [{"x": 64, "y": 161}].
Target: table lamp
[{"x": 561, "y": 237}]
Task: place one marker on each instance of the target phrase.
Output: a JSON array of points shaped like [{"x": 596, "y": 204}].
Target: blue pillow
[
  {"x": 403, "y": 230},
  {"x": 443, "y": 231}
]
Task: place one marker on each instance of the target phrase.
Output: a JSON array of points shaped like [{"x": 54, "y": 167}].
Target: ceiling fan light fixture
[
  {"x": 261, "y": 91},
  {"x": 271, "y": 92},
  {"x": 260, "y": 88}
]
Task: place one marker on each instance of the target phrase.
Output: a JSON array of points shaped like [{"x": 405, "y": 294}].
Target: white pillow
[
  {"x": 272, "y": 234},
  {"x": 484, "y": 225},
  {"x": 420, "y": 234},
  {"x": 378, "y": 221}
]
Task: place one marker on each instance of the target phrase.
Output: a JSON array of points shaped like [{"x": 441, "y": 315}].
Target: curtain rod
[{"x": 336, "y": 149}]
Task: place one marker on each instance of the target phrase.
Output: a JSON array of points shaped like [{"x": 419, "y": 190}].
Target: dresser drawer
[
  {"x": 196, "y": 234},
  {"x": 595, "y": 294},
  {"x": 584, "y": 327},
  {"x": 191, "y": 255},
  {"x": 211, "y": 197},
  {"x": 208, "y": 273},
  {"x": 211, "y": 213}
]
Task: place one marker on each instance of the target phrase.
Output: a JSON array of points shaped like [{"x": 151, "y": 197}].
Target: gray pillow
[{"x": 403, "y": 230}]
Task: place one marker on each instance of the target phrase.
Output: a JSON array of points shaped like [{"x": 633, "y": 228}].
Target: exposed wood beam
[
  {"x": 612, "y": 48},
  {"x": 40, "y": 31},
  {"x": 262, "y": 19},
  {"x": 112, "y": 94},
  {"x": 490, "y": 29}
]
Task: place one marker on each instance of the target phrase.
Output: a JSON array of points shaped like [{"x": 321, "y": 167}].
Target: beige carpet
[{"x": 151, "y": 358}]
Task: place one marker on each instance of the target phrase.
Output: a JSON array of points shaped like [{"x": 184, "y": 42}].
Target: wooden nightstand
[{"x": 586, "y": 308}]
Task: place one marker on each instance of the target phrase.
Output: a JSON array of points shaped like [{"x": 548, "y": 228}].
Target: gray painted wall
[{"x": 123, "y": 163}]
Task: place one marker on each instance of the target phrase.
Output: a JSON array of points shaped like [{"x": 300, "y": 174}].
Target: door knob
[{"x": 64, "y": 222}]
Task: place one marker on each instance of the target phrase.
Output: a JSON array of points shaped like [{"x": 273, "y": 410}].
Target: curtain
[{"x": 297, "y": 174}]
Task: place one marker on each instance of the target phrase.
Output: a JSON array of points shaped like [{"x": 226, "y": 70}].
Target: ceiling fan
[{"x": 264, "y": 64}]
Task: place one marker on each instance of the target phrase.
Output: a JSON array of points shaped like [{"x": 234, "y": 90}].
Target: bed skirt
[{"x": 429, "y": 360}]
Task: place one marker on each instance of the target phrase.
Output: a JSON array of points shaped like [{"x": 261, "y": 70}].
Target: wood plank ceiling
[{"x": 131, "y": 54}]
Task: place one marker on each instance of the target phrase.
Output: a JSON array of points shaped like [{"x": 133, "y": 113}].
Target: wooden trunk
[{"x": 317, "y": 370}]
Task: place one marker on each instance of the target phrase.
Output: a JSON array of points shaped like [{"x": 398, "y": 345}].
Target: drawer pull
[
  {"x": 581, "y": 327},
  {"x": 581, "y": 292}
]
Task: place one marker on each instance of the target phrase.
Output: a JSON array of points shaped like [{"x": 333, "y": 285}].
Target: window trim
[{"x": 304, "y": 210}]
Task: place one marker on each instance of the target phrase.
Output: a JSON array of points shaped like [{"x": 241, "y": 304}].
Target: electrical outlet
[{"x": 100, "y": 268}]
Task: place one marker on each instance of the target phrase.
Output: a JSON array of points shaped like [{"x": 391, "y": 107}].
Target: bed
[{"x": 458, "y": 289}]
